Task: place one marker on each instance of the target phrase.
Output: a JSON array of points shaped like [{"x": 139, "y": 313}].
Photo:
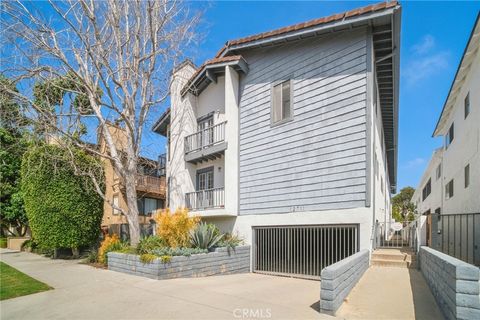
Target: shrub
[
  {"x": 230, "y": 241},
  {"x": 204, "y": 237},
  {"x": 147, "y": 258},
  {"x": 150, "y": 243},
  {"x": 92, "y": 256},
  {"x": 166, "y": 251},
  {"x": 3, "y": 242},
  {"x": 175, "y": 228},
  {"x": 63, "y": 209},
  {"x": 109, "y": 244},
  {"x": 166, "y": 259}
]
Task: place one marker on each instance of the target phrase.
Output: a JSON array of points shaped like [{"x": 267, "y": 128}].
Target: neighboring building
[
  {"x": 456, "y": 168},
  {"x": 289, "y": 137},
  {"x": 150, "y": 189},
  {"x": 428, "y": 196}
]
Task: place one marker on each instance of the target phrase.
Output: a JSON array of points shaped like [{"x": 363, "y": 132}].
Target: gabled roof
[
  {"x": 203, "y": 74},
  {"x": 384, "y": 21},
  {"x": 348, "y": 15},
  {"x": 468, "y": 58}
]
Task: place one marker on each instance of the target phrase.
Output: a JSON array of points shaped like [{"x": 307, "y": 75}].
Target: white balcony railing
[
  {"x": 205, "y": 138},
  {"x": 205, "y": 199}
]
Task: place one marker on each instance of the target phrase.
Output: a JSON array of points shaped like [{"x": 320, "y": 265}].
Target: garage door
[{"x": 302, "y": 251}]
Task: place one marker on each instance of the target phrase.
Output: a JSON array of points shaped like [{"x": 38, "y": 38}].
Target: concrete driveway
[{"x": 83, "y": 292}]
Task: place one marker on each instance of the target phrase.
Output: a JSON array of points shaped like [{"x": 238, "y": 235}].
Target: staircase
[{"x": 395, "y": 257}]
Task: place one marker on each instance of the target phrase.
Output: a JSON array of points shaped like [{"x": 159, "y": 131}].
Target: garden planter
[{"x": 219, "y": 262}]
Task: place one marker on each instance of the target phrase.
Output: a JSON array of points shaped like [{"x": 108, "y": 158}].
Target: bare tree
[{"x": 96, "y": 62}]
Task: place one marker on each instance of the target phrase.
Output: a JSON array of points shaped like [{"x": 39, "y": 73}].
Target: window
[
  {"x": 466, "y": 105},
  {"x": 467, "y": 175},
  {"x": 427, "y": 190},
  {"x": 281, "y": 102},
  {"x": 204, "y": 125},
  {"x": 115, "y": 203},
  {"x": 148, "y": 206},
  {"x": 450, "y": 135},
  {"x": 439, "y": 171},
  {"x": 205, "y": 179},
  {"x": 449, "y": 190}
]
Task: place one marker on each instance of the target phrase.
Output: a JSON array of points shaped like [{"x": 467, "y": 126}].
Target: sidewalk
[
  {"x": 390, "y": 293},
  {"x": 83, "y": 292}
]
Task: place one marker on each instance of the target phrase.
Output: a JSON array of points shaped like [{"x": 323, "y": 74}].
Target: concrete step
[
  {"x": 393, "y": 263},
  {"x": 402, "y": 258}
]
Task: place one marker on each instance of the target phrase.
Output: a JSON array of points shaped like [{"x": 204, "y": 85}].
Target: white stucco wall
[
  {"x": 465, "y": 148},
  {"x": 434, "y": 200}
]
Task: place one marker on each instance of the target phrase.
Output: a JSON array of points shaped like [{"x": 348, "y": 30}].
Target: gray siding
[{"x": 318, "y": 160}]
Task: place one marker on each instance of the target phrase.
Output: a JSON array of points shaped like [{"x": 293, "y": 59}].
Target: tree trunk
[
  {"x": 75, "y": 252},
  {"x": 132, "y": 213}
]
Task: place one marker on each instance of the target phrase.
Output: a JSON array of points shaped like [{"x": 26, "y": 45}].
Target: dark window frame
[
  {"x": 466, "y": 172},
  {"x": 449, "y": 189},
  {"x": 466, "y": 105},
  {"x": 427, "y": 189},
  {"x": 450, "y": 135}
]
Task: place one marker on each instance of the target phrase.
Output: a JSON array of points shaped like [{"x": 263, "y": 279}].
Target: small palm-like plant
[{"x": 204, "y": 236}]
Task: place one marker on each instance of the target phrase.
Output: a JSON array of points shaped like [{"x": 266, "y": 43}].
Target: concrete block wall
[
  {"x": 221, "y": 261},
  {"x": 339, "y": 279},
  {"x": 455, "y": 284}
]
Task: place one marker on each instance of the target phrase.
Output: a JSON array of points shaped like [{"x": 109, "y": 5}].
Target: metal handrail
[
  {"x": 205, "y": 199},
  {"x": 205, "y": 138}
]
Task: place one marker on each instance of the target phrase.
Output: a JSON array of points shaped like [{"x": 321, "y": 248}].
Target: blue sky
[{"x": 433, "y": 37}]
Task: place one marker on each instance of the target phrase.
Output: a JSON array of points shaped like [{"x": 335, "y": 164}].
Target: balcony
[
  {"x": 206, "y": 144},
  {"x": 151, "y": 185},
  {"x": 205, "y": 199}
]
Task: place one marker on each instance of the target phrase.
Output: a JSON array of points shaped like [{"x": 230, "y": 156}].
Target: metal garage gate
[{"x": 302, "y": 251}]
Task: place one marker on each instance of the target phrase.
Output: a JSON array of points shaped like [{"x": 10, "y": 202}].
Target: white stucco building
[
  {"x": 451, "y": 182},
  {"x": 289, "y": 138}
]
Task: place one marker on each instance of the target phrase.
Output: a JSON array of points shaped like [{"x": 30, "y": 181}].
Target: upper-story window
[
  {"x": 427, "y": 190},
  {"x": 449, "y": 189},
  {"x": 466, "y": 105},
  {"x": 467, "y": 175},
  {"x": 439, "y": 171},
  {"x": 281, "y": 102},
  {"x": 450, "y": 135}
]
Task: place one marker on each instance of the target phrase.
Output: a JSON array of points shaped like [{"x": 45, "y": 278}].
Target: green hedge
[{"x": 63, "y": 209}]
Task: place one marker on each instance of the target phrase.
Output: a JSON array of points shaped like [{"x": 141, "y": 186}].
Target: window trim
[{"x": 274, "y": 84}]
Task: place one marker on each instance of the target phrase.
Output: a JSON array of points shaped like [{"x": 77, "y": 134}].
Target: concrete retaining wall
[
  {"x": 199, "y": 265},
  {"x": 455, "y": 284},
  {"x": 338, "y": 280}
]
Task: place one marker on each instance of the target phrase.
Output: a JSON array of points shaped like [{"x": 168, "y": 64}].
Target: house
[
  {"x": 289, "y": 138},
  {"x": 150, "y": 188},
  {"x": 451, "y": 182}
]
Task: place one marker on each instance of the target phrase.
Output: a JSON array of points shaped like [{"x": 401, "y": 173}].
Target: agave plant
[{"x": 204, "y": 236}]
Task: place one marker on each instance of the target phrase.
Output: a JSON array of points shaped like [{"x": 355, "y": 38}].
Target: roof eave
[
  {"x": 317, "y": 30},
  {"x": 438, "y": 127},
  {"x": 241, "y": 63}
]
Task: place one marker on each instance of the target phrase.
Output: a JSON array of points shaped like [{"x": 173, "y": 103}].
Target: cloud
[
  {"x": 423, "y": 47},
  {"x": 414, "y": 163},
  {"x": 424, "y": 61},
  {"x": 423, "y": 68}
]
